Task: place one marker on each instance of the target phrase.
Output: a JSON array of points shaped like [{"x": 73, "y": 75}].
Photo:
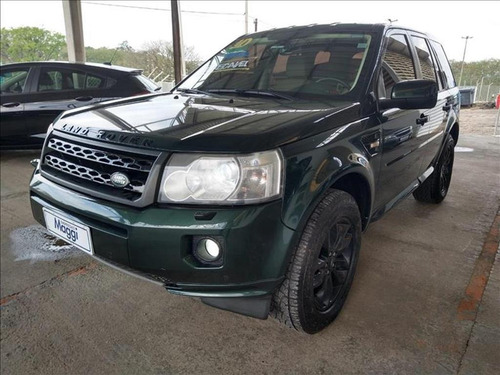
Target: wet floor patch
[
  {"x": 34, "y": 243},
  {"x": 463, "y": 149}
]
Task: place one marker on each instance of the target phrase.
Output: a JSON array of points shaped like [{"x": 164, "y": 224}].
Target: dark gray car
[{"x": 33, "y": 94}]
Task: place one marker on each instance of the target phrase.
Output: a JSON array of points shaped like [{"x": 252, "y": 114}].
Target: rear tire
[
  {"x": 435, "y": 187},
  {"x": 321, "y": 271}
]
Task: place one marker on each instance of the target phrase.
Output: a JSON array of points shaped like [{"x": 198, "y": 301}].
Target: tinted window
[
  {"x": 93, "y": 82},
  {"x": 150, "y": 85},
  {"x": 425, "y": 58},
  {"x": 12, "y": 81},
  {"x": 66, "y": 79},
  {"x": 397, "y": 64},
  {"x": 110, "y": 82},
  {"x": 445, "y": 65}
]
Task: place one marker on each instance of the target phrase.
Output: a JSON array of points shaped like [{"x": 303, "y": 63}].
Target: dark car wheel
[
  {"x": 322, "y": 269},
  {"x": 435, "y": 188}
]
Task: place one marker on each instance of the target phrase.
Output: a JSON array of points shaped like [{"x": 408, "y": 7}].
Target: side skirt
[{"x": 400, "y": 197}]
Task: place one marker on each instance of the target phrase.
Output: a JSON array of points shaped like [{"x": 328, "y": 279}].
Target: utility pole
[
  {"x": 246, "y": 16},
  {"x": 463, "y": 58},
  {"x": 255, "y": 22},
  {"x": 177, "y": 42}
]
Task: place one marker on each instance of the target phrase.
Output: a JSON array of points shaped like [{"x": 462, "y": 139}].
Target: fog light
[{"x": 208, "y": 250}]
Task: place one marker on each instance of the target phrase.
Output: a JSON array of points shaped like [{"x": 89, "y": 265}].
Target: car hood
[{"x": 199, "y": 123}]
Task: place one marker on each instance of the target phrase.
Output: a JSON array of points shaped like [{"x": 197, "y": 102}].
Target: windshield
[
  {"x": 295, "y": 63},
  {"x": 150, "y": 85}
]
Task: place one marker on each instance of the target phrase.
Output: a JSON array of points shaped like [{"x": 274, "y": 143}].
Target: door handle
[
  {"x": 422, "y": 119},
  {"x": 84, "y": 98},
  {"x": 450, "y": 103},
  {"x": 11, "y": 105}
]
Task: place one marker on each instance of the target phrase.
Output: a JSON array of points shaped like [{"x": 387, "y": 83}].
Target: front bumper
[{"x": 156, "y": 242}]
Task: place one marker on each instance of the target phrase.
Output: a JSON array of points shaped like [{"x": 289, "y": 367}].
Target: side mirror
[{"x": 414, "y": 94}]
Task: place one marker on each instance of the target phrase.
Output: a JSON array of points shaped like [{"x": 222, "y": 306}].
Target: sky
[{"x": 107, "y": 23}]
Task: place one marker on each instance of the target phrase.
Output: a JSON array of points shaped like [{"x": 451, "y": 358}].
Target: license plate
[{"x": 69, "y": 230}]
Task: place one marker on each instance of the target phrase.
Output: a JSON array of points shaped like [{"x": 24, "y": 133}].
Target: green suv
[{"x": 249, "y": 185}]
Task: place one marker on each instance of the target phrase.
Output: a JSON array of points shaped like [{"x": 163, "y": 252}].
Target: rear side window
[
  {"x": 66, "y": 79},
  {"x": 425, "y": 58},
  {"x": 445, "y": 65},
  {"x": 12, "y": 81},
  {"x": 93, "y": 82},
  {"x": 397, "y": 65}
]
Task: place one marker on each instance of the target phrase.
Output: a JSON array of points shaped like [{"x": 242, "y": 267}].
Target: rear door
[
  {"x": 432, "y": 121},
  {"x": 58, "y": 89},
  {"x": 450, "y": 90}
]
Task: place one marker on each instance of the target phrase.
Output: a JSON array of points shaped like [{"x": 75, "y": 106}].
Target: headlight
[{"x": 226, "y": 179}]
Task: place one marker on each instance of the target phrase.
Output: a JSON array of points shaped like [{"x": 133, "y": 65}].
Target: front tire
[
  {"x": 323, "y": 266},
  {"x": 435, "y": 188}
]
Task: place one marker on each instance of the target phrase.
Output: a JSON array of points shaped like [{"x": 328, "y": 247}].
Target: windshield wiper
[
  {"x": 241, "y": 92},
  {"x": 193, "y": 91}
]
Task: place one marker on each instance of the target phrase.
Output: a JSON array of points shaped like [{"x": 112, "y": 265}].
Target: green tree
[
  {"x": 31, "y": 44},
  {"x": 159, "y": 57},
  {"x": 487, "y": 70},
  {"x": 156, "y": 58}
]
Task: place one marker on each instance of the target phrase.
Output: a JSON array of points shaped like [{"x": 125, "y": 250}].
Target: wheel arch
[
  {"x": 358, "y": 187},
  {"x": 356, "y": 180},
  {"x": 454, "y": 132}
]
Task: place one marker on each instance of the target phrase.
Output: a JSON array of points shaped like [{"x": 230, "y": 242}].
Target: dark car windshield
[
  {"x": 295, "y": 63},
  {"x": 150, "y": 85}
]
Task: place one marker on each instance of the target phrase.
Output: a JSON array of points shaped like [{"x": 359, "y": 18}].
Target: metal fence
[{"x": 486, "y": 93}]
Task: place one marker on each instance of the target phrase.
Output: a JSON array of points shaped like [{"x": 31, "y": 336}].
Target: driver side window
[{"x": 397, "y": 65}]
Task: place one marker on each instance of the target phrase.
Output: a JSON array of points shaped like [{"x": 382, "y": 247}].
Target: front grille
[
  {"x": 100, "y": 156},
  {"x": 89, "y": 173},
  {"x": 88, "y": 167}
]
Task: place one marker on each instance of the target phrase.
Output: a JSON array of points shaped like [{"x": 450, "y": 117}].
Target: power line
[
  {"x": 264, "y": 22},
  {"x": 161, "y": 9},
  {"x": 182, "y": 11}
]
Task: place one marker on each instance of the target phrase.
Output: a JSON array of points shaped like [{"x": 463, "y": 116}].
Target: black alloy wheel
[
  {"x": 322, "y": 268},
  {"x": 446, "y": 170},
  {"x": 333, "y": 264},
  {"x": 435, "y": 188}
]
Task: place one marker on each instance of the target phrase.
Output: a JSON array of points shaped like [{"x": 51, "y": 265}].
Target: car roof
[
  {"x": 335, "y": 25},
  {"x": 348, "y": 27},
  {"x": 116, "y": 68}
]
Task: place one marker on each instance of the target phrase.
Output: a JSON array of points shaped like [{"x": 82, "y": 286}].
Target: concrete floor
[{"x": 415, "y": 306}]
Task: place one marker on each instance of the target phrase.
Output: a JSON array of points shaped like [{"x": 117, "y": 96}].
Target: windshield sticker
[
  {"x": 242, "y": 43},
  {"x": 239, "y": 54},
  {"x": 233, "y": 65}
]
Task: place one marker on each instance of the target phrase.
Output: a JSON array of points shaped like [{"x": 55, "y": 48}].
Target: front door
[
  {"x": 400, "y": 164},
  {"x": 13, "y": 92}
]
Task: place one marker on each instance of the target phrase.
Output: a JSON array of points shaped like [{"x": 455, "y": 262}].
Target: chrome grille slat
[
  {"x": 100, "y": 156},
  {"x": 88, "y": 173}
]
